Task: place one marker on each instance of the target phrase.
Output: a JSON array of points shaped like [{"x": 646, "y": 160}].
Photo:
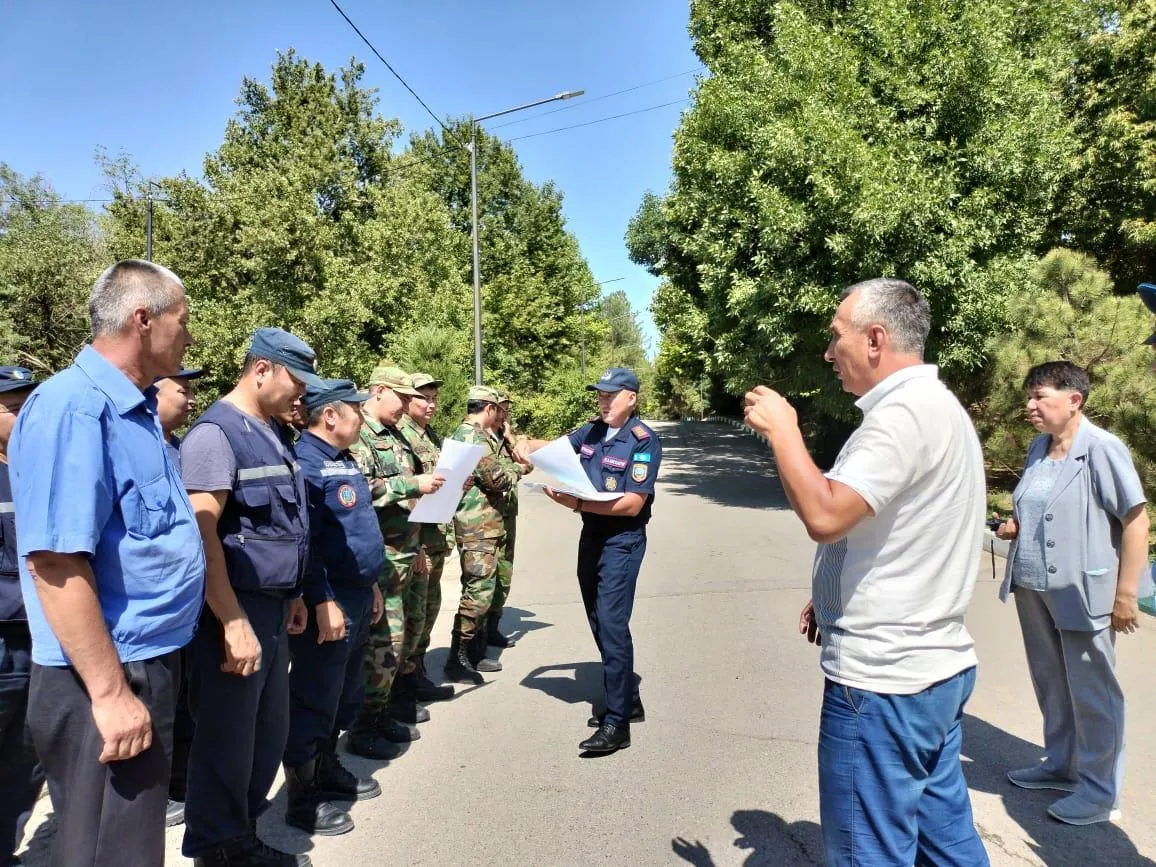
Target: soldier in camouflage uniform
[
  {"x": 425, "y": 600},
  {"x": 395, "y": 482},
  {"x": 494, "y": 636},
  {"x": 480, "y": 531}
]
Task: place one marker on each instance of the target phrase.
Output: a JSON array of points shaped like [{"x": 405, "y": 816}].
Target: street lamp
[{"x": 566, "y": 94}]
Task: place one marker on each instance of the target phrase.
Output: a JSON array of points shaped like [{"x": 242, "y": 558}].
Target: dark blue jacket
[
  {"x": 264, "y": 527},
  {"x": 11, "y": 602},
  {"x": 346, "y": 548},
  {"x": 628, "y": 463}
]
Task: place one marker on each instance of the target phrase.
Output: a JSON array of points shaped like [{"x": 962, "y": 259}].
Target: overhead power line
[
  {"x": 599, "y": 120},
  {"x": 396, "y": 74},
  {"x": 586, "y": 102}
]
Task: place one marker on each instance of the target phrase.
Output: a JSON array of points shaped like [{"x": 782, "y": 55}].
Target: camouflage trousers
[
  {"x": 479, "y": 577},
  {"x": 433, "y": 599},
  {"x": 386, "y": 647},
  {"x": 505, "y": 570}
]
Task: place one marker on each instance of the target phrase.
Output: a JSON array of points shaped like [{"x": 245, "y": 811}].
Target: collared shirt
[
  {"x": 628, "y": 462},
  {"x": 346, "y": 548},
  {"x": 90, "y": 476},
  {"x": 890, "y": 596}
]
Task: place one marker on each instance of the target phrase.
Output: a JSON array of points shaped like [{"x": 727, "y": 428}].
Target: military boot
[
  {"x": 494, "y": 637},
  {"x": 307, "y": 808},
  {"x": 424, "y": 688},
  {"x": 459, "y": 668},
  {"x": 477, "y": 650},
  {"x": 375, "y": 736},
  {"x": 339, "y": 783}
]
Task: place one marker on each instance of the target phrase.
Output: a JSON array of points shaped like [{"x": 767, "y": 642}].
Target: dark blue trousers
[
  {"x": 20, "y": 774},
  {"x": 327, "y": 681},
  {"x": 607, "y": 575},
  {"x": 241, "y": 726}
]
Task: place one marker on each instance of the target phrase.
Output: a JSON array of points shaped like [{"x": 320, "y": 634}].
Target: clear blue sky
[{"x": 158, "y": 80}]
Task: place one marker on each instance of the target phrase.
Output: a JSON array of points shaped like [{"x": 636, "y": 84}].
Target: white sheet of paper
[
  {"x": 456, "y": 462},
  {"x": 596, "y": 496},
  {"x": 559, "y": 460}
]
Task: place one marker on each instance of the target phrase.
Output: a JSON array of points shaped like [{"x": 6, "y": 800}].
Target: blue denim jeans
[{"x": 891, "y": 789}]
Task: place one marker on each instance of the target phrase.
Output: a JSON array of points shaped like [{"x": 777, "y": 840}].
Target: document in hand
[
  {"x": 456, "y": 463},
  {"x": 559, "y": 460}
]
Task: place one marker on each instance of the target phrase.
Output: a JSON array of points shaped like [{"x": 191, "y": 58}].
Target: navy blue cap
[
  {"x": 184, "y": 373},
  {"x": 16, "y": 378},
  {"x": 281, "y": 347},
  {"x": 616, "y": 379},
  {"x": 1147, "y": 292},
  {"x": 332, "y": 391}
]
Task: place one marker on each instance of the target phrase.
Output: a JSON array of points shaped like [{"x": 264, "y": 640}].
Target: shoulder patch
[
  {"x": 640, "y": 432},
  {"x": 642, "y": 457},
  {"x": 640, "y": 472},
  {"x": 347, "y": 496}
]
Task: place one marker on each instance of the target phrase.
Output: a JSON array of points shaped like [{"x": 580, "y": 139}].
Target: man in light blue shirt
[{"x": 111, "y": 569}]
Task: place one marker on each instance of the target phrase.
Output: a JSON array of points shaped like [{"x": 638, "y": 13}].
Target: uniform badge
[
  {"x": 640, "y": 433},
  {"x": 347, "y": 496},
  {"x": 639, "y": 472},
  {"x": 611, "y": 483}
]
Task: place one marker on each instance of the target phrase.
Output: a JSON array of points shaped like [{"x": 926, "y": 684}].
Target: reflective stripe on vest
[
  {"x": 340, "y": 471},
  {"x": 7, "y": 508},
  {"x": 266, "y": 472}
]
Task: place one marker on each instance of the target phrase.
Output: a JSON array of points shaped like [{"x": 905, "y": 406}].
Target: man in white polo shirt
[{"x": 899, "y": 520}]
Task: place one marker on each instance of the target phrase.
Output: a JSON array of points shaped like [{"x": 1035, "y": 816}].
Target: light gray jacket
[{"x": 1097, "y": 486}]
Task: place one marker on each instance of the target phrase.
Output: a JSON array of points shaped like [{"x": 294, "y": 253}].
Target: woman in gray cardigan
[{"x": 1080, "y": 551}]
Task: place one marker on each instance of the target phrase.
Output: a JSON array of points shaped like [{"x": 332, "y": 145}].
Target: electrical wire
[{"x": 599, "y": 120}]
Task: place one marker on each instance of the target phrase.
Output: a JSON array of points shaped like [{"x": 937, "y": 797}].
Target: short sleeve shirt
[
  {"x": 628, "y": 462},
  {"x": 90, "y": 477}
]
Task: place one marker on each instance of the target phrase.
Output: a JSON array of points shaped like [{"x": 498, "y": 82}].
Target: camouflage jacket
[
  {"x": 480, "y": 512},
  {"x": 427, "y": 446},
  {"x": 391, "y": 468},
  {"x": 506, "y": 453}
]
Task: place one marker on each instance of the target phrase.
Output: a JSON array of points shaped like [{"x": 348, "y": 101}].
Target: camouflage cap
[
  {"x": 483, "y": 393},
  {"x": 424, "y": 380},
  {"x": 393, "y": 378},
  {"x": 503, "y": 395}
]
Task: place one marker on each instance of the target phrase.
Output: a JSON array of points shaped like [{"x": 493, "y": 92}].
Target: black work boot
[
  {"x": 607, "y": 739},
  {"x": 369, "y": 737},
  {"x": 494, "y": 637},
  {"x": 425, "y": 689},
  {"x": 307, "y": 808},
  {"x": 477, "y": 643},
  {"x": 459, "y": 669},
  {"x": 337, "y": 782},
  {"x": 637, "y": 714},
  {"x": 174, "y": 813},
  {"x": 249, "y": 851},
  {"x": 408, "y": 711}
]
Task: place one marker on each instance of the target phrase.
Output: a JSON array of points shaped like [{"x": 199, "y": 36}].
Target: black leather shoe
[
  {"x": 369, "y": 743},
  {"x": 637, "y": 714},
  {"x": 408, "y": 712},
  {"x": 336, "y": 781},
  {"x": 494, "y": 637},
  {"x": 174, "y": 813},
  {"x": 249, "y": 851},
  {"x": 307, "y": 808},
  {"x": 607, "y": 739}
]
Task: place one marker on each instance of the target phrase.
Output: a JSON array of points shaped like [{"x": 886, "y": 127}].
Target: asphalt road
[{"x": 723, "y": 770}]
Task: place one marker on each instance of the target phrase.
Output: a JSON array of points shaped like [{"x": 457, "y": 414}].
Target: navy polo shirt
[
  {"x": 346, "y": 548},
  {"x": 90, "y": 476},
  {"x": 627, "y": 462}
]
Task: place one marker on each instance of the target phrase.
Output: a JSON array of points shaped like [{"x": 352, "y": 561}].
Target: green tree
[
  {"x": 1110, "y": 205},
  {"x": 1070, "y": 313},
  {"x": 444, "y": 354},
  {"x": 835, "y": 141},
  {"x": 50, "y": 254}
]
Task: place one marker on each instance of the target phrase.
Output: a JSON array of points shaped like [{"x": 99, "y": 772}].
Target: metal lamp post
[{"x": 566, "y": 94}]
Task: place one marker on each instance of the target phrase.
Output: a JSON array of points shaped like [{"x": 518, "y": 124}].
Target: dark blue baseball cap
[
  {"x": 293, "y": 353},
  {"x": 332, "y": 391},
  {"x": 615, "y": 379},
  {"x": 184, "y": 373},
  {"x": 16, "y": 379},
  {"x": 1147, "y": 292}
]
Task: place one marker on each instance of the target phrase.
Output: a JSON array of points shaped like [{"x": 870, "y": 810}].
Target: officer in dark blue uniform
[
  {"x": 248, "y": 492},
  {"x": 346, "y": 560},
  {"x": 20, "y": 773},
  {"x": 619, "y": 454}
]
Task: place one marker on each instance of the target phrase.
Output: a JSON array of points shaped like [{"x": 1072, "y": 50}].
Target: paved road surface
[{"x": 723, "y": 770}]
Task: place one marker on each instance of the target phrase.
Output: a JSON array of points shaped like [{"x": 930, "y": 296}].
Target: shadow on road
[
  {"x": 994, "y": 752},
  {"x": 772, "y": 842},
  {"x": 517, "y": 623},
  {"x": 584, "y": 682},
  {"x": 721, "y": 465}
]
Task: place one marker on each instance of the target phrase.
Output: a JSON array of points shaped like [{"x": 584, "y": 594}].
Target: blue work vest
[
  {"x": 264, "y": 528},
  {"x": 11, "y": 602}
]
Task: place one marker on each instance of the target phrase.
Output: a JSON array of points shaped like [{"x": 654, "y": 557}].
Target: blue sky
[{"x": 158, "y": 80}]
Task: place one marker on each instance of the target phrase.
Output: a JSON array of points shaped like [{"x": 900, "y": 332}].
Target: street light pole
[{"x": 566, "y": 94}]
